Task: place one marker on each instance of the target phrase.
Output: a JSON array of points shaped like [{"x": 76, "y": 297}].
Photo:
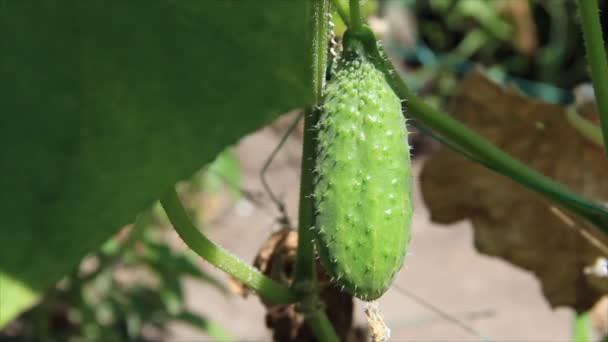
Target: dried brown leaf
[
  {"x": 510, "y": 221},
  {"x": 276, "y": 259}
]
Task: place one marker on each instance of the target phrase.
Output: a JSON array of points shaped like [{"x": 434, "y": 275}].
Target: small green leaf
[
  {"x": 224, "y": 170},
  {"x": 171, "y": 294},
  {"x": 163, "y": 261},
  {"x": 212, "y": 329}
]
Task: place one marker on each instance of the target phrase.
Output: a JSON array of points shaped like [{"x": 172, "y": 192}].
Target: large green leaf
[{"x": 104, "y": 104}]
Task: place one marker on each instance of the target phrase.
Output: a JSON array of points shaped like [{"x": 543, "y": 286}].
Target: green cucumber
[{"x": 362, "y": 179}]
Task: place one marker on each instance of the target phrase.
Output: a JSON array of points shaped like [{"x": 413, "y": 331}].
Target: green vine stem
[
  {"x": 305, "y": 261},
  {"x": 321, "y": 326},
  {"x": 585, "y": 127},
  {"x": 596, "y": 56},
  {"x": 355, "y": 15},
  {"x": 341, "y": 8},
  {"x": 305, "y": 275},
  {"x": 304, "y": 287},
  {"x": 219, "y": 257},
  {"x": 486, "y": 151},
  {"x": 305, "y": 280}
]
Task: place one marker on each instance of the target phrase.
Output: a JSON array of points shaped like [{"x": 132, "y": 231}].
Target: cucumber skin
[{"x": 362, "y": 180}]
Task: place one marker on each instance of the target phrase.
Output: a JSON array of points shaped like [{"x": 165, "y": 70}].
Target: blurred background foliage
[
  {"x": 536, "y": 44},
  {"x": 131, "y": 289}
]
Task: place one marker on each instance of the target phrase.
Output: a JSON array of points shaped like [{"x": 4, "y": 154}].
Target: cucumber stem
[
  {"x": 342, "y": 10},
  {"x": 585, "y": 127},
  {"x": 355, "y": 15},
  {"x": 596, "y": 58},
  {"x": 305, "y": 276},
  {"x": 221, "y": 258},
  {"x": 502, "y": 162},
  {"x": 305, "y": 262}
]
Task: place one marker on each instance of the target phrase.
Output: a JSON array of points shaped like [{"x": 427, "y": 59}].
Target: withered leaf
[
  {"x": 276, "y": 259},
  {"x": 510, "y": 221}
]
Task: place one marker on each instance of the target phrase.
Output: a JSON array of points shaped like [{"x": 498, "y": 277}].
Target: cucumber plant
[{"x": 362, "y": 71}]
